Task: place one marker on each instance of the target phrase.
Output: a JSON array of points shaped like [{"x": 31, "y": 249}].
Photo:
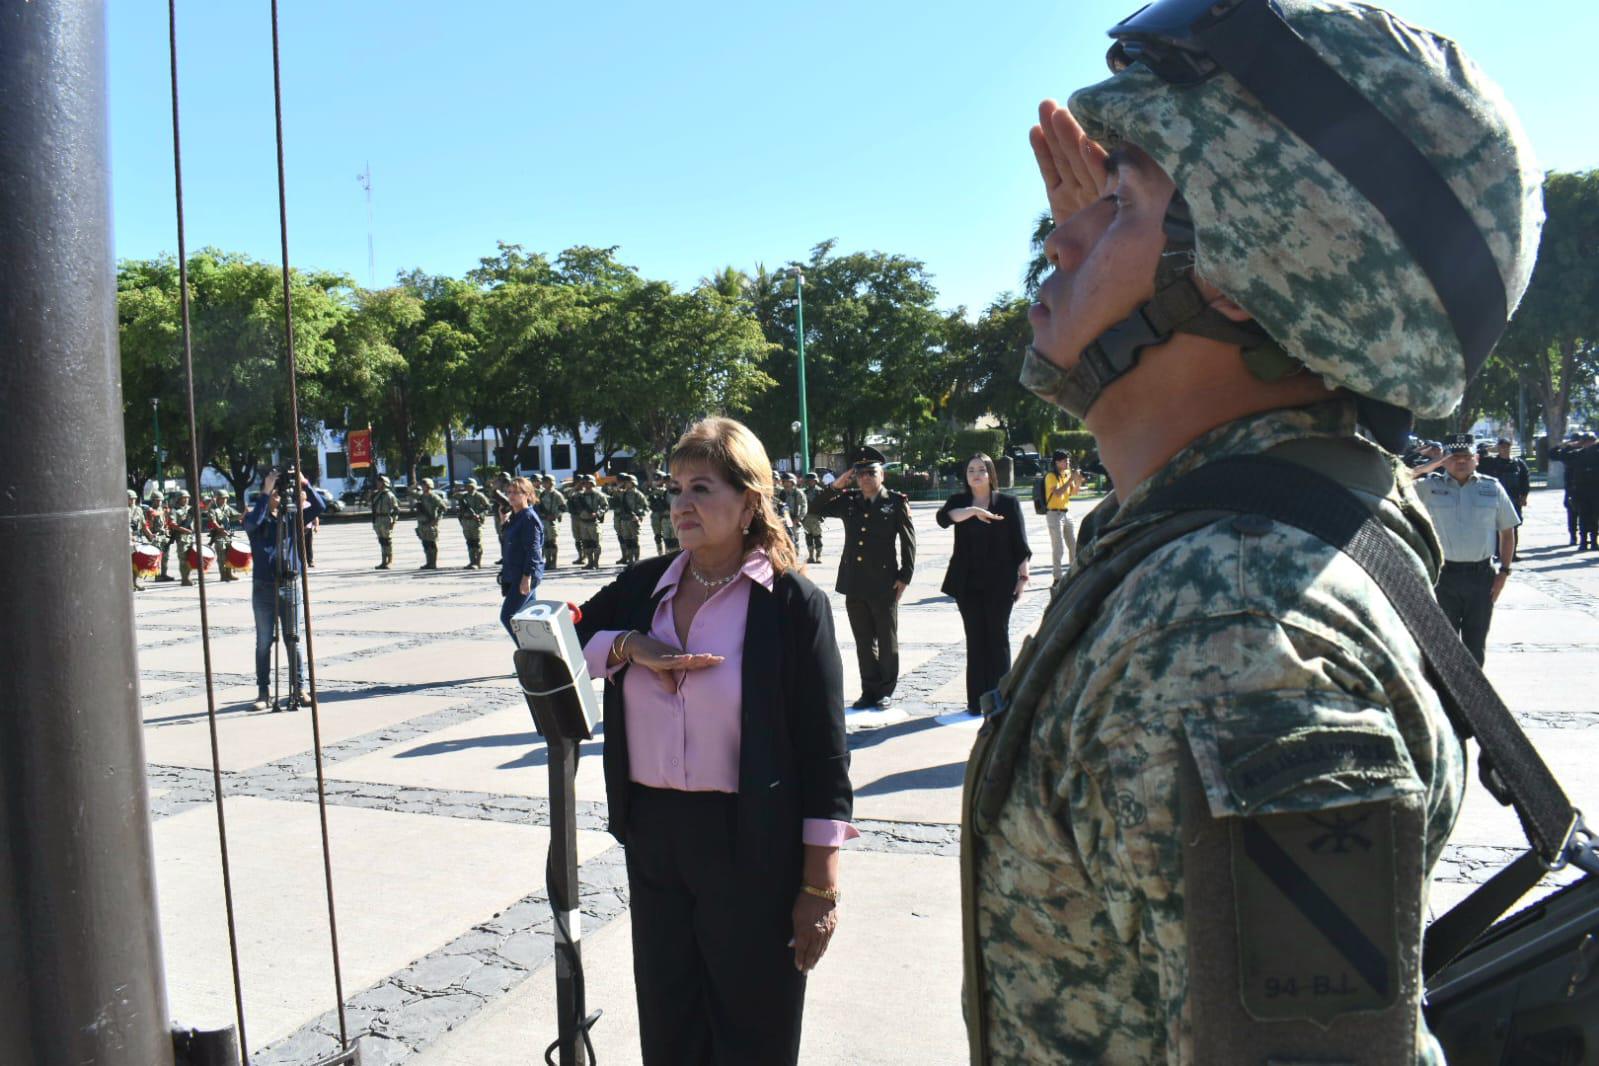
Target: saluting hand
[
  {"x": 664, "y": 660},
  {"x": 1071, "y": 164}
]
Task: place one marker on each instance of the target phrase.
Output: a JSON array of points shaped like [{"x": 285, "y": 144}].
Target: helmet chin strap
[{"x": 1177, "y": 307}]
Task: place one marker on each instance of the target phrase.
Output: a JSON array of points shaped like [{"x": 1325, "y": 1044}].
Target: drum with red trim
[
  {"x": 238, "y": 558},
  {"x": 146, "y": 560},
  {"x": 207, "y": 555}
]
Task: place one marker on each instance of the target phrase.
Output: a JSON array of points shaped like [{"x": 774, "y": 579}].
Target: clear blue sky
[{"x": 692, "y": 135}]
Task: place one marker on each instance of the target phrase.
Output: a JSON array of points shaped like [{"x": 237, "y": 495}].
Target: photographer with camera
[{"x": 275, "y": 594}]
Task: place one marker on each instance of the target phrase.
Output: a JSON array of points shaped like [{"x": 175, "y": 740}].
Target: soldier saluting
[{"x": 879, "y": 556}]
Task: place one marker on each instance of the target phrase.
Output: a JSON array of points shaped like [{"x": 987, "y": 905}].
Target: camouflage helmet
[
  {"x": 471, "y": 482},
  {"x": 625, "y": 476},
  {"x": 426, "y": 483},
  {"x": 1291, "y": 239},
  {"x": 132, "y": 495},
  {"x": 383, "y": 479}
]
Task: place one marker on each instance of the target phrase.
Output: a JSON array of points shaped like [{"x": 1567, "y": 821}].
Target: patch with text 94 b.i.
[{"x": 1317, "y": 923}]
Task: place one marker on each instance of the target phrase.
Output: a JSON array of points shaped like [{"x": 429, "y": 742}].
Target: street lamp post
[
  {"x": 794, "y": 428},
  {"x": 799, "y": 335},
  {"x": 155, "y": 419}
]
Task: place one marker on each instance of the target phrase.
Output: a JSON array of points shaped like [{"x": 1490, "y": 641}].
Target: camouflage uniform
[
  {"x": 431, "y": 507},
  {"x": 475, "y": 507},
  {"x": 219, "y": 518},
  {"x": 661, "y": 515},
  {"x": 155, "y": 521},
  {"x": 812, "y": 522},
  {"x": 181, "y": 524},
  {"x": 1228, "y": 650},
  {"x": 137, "y": 534},
  {"x": 588, "y": 509},
  {"x": 385, "y": 513},
  {"x": 551, "y": 506},
  {"x": 631, "y": 508},
  {"x": 798, "y": 506},
  {"x": 1214, "y": 841}
]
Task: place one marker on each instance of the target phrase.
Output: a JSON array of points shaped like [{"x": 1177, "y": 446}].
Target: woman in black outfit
[{"x": 986, "y": 574}]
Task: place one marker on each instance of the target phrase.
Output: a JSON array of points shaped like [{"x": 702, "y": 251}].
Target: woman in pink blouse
[{"x": 726, "y": 768}]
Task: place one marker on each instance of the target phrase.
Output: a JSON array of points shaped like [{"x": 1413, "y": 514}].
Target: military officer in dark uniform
[
  {"x": 1512, "y": 474},
  {"x": 1581, "y": 457},
  {"x": 879, "y": 555}
]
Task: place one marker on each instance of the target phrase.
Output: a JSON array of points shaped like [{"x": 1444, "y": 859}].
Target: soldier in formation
[
  {"x": 501, "y": 500},
  {"x": 137, "y": 531},
  {"x": 182, "y": 523},
  {"x": 632, "y": 509},
  {"x": 551, "y": 506},
  {"x": 220, "y": 519},
  {"x": 1580, "y": 454},
  {"x": 798, "y": 506},
  {"x": 156, "y": 523},
  {"x": 474, "y": 508},
  {"x": 661, "y": 514},
  {"x": 588, "y": 507},
  {"x": 431, "y": 507},
  {"x": 385, "y": 513},
  {"x": 1156, "y": 850},
  {"x": 812, "y": 522},
  {"x": 879, "y": 556}
]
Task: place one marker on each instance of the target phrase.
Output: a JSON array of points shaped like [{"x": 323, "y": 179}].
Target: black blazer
[
  {"x": 793, "y": 759},
  {"x": 987, "y": 554}
]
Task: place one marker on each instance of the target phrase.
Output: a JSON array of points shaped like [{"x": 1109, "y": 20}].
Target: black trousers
[
  {"x": 1587, "y": 515},
  {"x": 713, "y": 971},
  {"x": 1465, "y": 592},
  {"x": 874, "y": 620},
  {"x": 986, "y": 615}
]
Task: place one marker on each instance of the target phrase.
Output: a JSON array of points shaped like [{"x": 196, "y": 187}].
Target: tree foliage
[{"x": 1552, "y": 342}]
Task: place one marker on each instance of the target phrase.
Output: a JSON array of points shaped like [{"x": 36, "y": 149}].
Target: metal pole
[
  {"x": 799, "y": 334},
  {"x": 155, "y": 421},
  {"x": 79, "y": 940}
]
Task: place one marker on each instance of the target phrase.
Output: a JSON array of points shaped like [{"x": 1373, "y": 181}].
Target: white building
[{"x": 553, "y": 453}]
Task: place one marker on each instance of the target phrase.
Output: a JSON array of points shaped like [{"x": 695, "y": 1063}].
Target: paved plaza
[{"x": 436, "y": 791}]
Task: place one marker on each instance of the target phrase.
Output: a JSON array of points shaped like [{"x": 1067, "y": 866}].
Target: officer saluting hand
[{"x": 871, "y": 574}]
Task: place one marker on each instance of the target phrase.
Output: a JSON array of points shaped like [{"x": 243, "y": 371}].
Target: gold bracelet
[
  {"x": 619, "y": 647},
  {"x": 832, "y": 895}
]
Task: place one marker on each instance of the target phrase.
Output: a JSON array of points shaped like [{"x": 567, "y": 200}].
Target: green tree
[
  {"x": 240, "y": 369},
  {"x": 988, "y": 357},
  {"x": 1553, "y": 339},
  {"x": 675, "y": 358},
  {"x": 873, "y": 346}
]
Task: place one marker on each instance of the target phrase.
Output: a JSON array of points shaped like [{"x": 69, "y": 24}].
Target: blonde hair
[
  {"x": 736, "y": 454},
  {"x": 524, "y": 486}
]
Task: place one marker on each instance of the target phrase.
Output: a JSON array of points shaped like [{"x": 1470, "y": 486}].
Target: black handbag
[{"x": 1523, "y": 991}]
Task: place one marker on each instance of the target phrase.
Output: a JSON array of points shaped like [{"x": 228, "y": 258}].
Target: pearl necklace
[{"x": 708, "y": 582}]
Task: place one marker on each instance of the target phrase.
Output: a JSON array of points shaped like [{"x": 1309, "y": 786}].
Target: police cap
[{"x": 1458, "y": 443}]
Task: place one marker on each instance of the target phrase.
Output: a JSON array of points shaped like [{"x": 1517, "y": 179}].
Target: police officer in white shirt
[{"x": 1475, "y": 521}]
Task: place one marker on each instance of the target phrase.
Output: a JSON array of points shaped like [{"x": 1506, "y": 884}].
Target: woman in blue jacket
[{"x": 521, "y": 552}]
